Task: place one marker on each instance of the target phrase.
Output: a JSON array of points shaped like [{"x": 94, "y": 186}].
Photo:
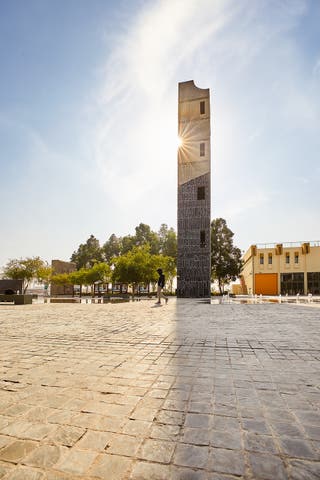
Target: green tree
[
  {"x": 127, "y": 244},
  {"x": 145, "y": 236},
  {"x": 44, "y": 275},
  {"x": 25, "y": 269},
  {"x": 170, "y": 269},
  {"x": 225, "y": 257},
  {"x": 100, "y": 272},
  {"x": 79, "y": 277},
  {"x": 168, "y": 241},
  {"x": 62, "y": 279},
  {"x": 138, "y": 266},
  {"x": 88, "y": 253},
  {"x": 112, "y": 247}
]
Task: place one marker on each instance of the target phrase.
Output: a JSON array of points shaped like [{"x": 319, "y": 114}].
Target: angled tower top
[{"x": 188, "y": 91}]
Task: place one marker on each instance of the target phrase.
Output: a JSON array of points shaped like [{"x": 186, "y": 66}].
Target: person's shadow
[{"x": 157, "y": 305}]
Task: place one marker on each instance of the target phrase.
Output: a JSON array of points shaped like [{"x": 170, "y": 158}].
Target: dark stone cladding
[{"x": 194, "y": 260}]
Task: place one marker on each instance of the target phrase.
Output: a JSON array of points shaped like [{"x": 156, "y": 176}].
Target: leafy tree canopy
[
  {"x": 138, "y": 266},
  {"x": 225, "y": 257},
  {"x": 100, "y": 272},
  {"x": 168, "y": 241},
  {"x": 27, "y": 269},
  {"x": 44, "y": 274},
  {"x": 112, "y": 247},
  {"x": 169, "y": 267},
  {"x": 79, "y": 277},
  {"x": 61, "y": 279},
  {"x": 127, "y": 244},
  {"x": 144, "y": 236},
  {"x": 163, "y": 242},
  {"x": 88, "y": 253}
]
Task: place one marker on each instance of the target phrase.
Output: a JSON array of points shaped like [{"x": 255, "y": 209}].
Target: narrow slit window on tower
[
  {"x": 202, "y": 108},
  {"x": 202, "y": 149},
  {"x": 261, "y": 258},
  {"x": 270, "y": 258},
  {"x": 201, "y": 193},
  {"x": 202, "y": 238}
]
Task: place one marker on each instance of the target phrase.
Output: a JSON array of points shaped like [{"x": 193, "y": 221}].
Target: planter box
[{"x": 16, "y": 299}]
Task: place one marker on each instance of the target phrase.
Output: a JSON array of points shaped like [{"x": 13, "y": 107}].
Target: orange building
[{"x": 283, "y": 268}]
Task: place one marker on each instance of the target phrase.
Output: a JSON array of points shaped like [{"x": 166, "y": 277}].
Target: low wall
[
  {"x": 64, "y": 300},
  {"x": 17, "y": 299}
]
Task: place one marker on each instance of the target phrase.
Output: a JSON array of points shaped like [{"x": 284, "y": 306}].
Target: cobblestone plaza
[{"x": 187, "y": 391}]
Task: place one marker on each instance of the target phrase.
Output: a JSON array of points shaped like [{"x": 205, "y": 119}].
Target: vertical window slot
[{"x": 202, "y": 149}]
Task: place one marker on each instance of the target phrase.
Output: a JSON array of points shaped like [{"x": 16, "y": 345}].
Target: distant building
[
  {"x": 283, "y": 268},
  {"x": 58, "y": 266},
  {"x": 194, "y": 257}
]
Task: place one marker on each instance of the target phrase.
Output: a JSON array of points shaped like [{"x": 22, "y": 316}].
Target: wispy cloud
[
  {"x": 135, "y": 137},
  {"x": 243, "y": 52}
]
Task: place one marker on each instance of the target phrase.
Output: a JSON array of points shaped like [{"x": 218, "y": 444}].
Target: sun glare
[{"x": 179, "y": 142}]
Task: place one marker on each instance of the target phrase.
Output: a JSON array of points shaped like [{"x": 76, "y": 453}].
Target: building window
[
  {"x": 202, "y": 149},
  {"x": 292, "y": 283},
  {"x": 270, "y": 258},
  {"x": 202, "y": 238},
  {"x": 296, "y": 257},
  {"x": 202, "y": 108},
  {"x": 261, "y": 258},
  {"x": 201, "y": 193},
  {"x": 314, "y": 283},
  {"x": 287, "y": 257}
]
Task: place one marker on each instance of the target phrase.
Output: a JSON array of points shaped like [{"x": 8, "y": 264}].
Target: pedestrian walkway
[{"x": 185, "y": 391}]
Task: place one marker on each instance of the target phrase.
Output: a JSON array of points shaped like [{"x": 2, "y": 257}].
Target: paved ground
[{"x": 184, "y": 391}]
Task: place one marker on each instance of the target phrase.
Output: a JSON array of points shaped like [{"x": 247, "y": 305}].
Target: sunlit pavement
[{"x": 186, "y": 391}]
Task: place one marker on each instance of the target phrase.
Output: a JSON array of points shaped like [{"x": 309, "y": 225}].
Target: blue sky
[{"x": 88, "y": 117}]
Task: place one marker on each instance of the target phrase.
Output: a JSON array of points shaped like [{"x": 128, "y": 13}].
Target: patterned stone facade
[{"x": 194, "y": 193}]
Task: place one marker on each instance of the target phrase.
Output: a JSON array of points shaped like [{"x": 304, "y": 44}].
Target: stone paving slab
[{"x": 185, "y": 391}]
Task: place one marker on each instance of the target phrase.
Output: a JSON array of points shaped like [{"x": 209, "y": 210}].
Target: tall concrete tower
[{"x": 194, "y": 252}]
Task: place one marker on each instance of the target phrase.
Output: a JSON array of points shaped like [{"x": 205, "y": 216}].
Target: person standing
[{"x": 160, "y": 286}]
